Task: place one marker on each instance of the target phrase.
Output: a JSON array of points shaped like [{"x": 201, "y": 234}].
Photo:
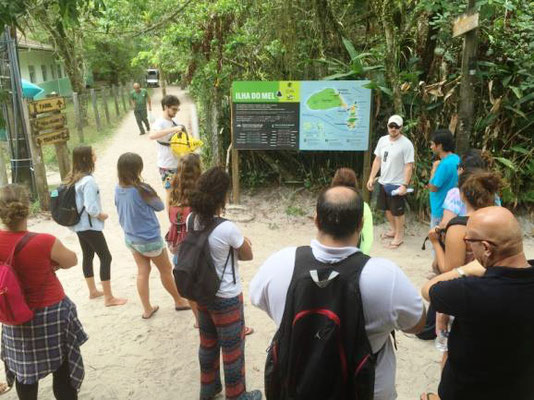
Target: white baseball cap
[{"x": 396, "y": 119}]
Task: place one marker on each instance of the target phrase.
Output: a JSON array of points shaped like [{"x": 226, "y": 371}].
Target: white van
[{"x": 152, "y": 77}]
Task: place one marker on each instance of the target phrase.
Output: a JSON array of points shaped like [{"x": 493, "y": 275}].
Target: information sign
[
  {"x": 47, "y": 105},
  {"x": 53, "y": 137},
  {"x": 301, "y": 115},
  {"x": 55, "y": 121}
]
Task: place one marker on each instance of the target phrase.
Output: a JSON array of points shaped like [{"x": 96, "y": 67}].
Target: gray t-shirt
[
  {"x": 394, "y": 155},
  {"x": 390, "y": 302}
]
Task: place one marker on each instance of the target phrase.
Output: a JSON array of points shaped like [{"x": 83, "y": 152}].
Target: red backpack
[
  {"x": 177, "y": 231},
  {"x": 13, "y": 307}
]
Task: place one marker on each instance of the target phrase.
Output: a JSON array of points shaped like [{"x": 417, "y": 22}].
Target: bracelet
[{"x": 460, "y": 272}]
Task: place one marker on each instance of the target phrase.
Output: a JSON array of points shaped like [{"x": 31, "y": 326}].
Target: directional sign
[
  {"x": 53, "y": 137},
  {"x": 54, "y": 122},
  {"x": 47, "y": 105},
  {"x": 464, "y": 24}
]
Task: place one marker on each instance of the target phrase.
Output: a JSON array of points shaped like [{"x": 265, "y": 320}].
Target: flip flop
[
  {"x": 4, "y": 388},
  {"x": 182, "y": 308},
  {"x": 248, "y": 331},
  {"x": 154, "y": 310},
  {"x": 386, "y": 235},
  {"x": 394, "y": 246}
]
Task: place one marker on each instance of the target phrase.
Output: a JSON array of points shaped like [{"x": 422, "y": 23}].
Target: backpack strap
[
  {"x": 454, "y": 221},
  {"x": 23, "y": 241}
]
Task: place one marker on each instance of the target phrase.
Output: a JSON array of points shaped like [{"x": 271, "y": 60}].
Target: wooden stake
[
  {"x": 116, "y": 99},
  {"x": 78, "y": 116},
  {"x": 367, "y": 156},
  {"x": 121, "y": 88},
  {"x": 3, "y": 170},
  {"x": 235, "y": 162},
  {"x": 63, "y": 159},
  {"x": 95, "y": 110},
  {"x": 103, "y": 93}
]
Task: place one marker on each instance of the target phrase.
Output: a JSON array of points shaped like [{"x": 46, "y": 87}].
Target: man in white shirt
[
  {"x": 162, "y": 130},
  {"x": 394, "y": 159},
  {"x": 389, "y": 300}
]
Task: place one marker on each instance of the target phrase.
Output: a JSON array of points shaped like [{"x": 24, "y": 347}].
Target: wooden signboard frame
[
  {"x": 465, "y": 23},
  {"x": 53, "y": 137},
  {"x": 55, "y": 121},
  {"x": 47, "y": 105}
]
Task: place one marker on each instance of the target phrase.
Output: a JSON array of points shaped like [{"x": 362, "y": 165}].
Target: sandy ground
[{"x": 130, "y": 358}]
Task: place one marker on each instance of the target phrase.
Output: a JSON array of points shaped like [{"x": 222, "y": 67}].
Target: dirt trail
[{"x": 130, "y": 358}]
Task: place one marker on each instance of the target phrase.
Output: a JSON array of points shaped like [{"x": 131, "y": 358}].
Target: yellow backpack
[{"x": 182, "y": 143}]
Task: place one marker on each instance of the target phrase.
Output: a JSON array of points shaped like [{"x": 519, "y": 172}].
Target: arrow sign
[
  {"x": 53, "y": 137},
  {"x": 54, "y": 122},
  {"x": 47, "y": 105}
]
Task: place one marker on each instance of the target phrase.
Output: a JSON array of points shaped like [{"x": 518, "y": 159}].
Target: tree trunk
[{"x": 391, "y": 57}]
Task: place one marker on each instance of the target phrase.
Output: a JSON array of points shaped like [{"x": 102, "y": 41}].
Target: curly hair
[
  {"x": 14, "y": 205},
  {"x": 345, "y": 177},
  {"x": 129, "y": 168},
  {"x": 185, "y": 179},
  {"x": 210, "y": 194},
  {"x": 82, "y": 164},
  {"x": 480, "y": 188}
]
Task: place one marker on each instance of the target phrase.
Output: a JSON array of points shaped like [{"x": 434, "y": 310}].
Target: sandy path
[{"x": 130, "y": 358}]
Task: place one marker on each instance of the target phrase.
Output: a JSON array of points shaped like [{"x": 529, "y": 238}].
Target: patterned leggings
[{"x": 222, "y": 326}]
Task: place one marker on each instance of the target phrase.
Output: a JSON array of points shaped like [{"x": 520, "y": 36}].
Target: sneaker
[
  {"x": 142, "y": 133},
  {"x": 253, "y": 395}
]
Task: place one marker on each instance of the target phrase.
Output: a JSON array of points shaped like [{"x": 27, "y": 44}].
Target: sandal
[
  {"x": 386, "y": 235},
  {"x": 429, "y": 396},
  {"x": 4, "y": 388},
  {"x": 393, "y": 246}
]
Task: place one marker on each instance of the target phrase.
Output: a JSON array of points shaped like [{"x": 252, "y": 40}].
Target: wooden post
[
  {"x": 163, "y": 83},
  {"x": 39, "y": 170},
  {"x": 78, "y": 116},
  {"x": 467, "y": 90},
  {"x": 116, "y": 99},
  {"x": 367, "y": 156},
  {"x": 63, "y": 159},
  {"x": 121, "y": 87},
  {"x": 95, "y": 109},
  {"x": 104, "y": 97},
  {"x": 235, "y": 161},
  {"x": 3, "y": 170}
]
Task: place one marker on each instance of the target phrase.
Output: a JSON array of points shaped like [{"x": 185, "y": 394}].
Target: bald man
[
  {"x": 139, "y": 99},
  {"x": 491, "y": 343},
  {"x": 390, "y": 302}
]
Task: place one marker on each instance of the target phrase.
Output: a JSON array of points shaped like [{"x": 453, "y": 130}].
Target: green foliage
[{"x": 295, "y": 211}]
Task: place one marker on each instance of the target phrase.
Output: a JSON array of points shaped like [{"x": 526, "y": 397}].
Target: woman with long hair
[
  {"x": 89, "y": 228},
  {"x": 347, "y": 177},
  {"x": 222, "y": 322},
  {"x": 137, "y": 203},
  {"x": 50, "y": 342}
]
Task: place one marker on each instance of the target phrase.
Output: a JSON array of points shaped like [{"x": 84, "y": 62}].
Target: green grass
[{"x": 91, "y": 134}]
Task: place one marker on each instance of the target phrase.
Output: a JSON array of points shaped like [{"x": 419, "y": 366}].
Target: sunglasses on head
[{"x": 393, "y": 126}]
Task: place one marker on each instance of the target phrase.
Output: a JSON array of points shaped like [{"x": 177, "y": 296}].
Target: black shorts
[{"x": 395, "y": 204}]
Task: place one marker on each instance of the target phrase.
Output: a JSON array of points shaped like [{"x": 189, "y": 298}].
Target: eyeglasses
[
  {"x": 393, "y": 126},
  {"x": 469, "y": 240},
  {"x": 175, "y": 108}
]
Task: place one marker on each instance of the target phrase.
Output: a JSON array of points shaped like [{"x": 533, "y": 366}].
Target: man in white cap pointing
[{"x": 394, "y": 159}]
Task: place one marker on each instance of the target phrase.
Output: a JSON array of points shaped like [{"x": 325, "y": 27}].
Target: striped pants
[{"x": 222, "y": 327}]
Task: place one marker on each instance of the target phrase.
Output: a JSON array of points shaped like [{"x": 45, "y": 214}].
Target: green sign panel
[{"x": 301, "y": 115}]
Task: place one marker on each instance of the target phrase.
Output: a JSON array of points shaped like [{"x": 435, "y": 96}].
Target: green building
[{"x": 40, "y": 64}]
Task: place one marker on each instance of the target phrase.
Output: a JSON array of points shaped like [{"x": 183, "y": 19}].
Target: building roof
[{"x": 23, "y": 42}]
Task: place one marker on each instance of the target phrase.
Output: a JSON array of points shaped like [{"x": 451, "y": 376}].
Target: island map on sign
[{"x": 334, "y": 115}]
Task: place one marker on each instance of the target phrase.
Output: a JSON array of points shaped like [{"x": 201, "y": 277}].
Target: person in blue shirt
[
  {"x": 445, "y": 175},
  {"x": 137, "y": 203}
]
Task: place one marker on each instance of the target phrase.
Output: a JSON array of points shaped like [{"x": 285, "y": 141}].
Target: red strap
[{"x": 19, "y": 246}]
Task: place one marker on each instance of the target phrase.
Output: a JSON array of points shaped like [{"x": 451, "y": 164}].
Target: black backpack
[
  {"x": 63, "y": 206},
  {"x": 321, "y": 350},
  {"x": 195, "y": 273}
]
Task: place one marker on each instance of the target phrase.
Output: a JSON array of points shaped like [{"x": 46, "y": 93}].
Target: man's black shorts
[{"x": 395, "y": 204}]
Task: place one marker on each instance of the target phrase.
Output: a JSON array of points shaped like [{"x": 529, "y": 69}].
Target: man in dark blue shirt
[{"x": 491, "y": 343}]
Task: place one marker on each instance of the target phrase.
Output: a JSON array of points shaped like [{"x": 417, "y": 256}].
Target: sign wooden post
[
  {"x": 466, "y": 105},
  {"x": 39, "y": 170},
  {"x": 78, "y": 117},
  {"x": 235, "y": 162},
  {"x": 103, "y": 93},
  {"x": 95, "y": 110},
  {"x": 115, "y": 98},
  {"x": 49, "y": 129}
]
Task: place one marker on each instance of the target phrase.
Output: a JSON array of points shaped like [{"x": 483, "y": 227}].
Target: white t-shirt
[
  {"x": 166, "y": 158},
  {"x": 394, "y": 155},
  {"x": 390, "y": 301},
  {"x": 224, "y": 236}
]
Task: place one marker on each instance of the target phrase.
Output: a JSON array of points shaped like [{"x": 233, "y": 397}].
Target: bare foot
[
  {"x": 151, "y": 313},
  {"x": 114, "y": 301},
  {"x": 95, "y": 295}
]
